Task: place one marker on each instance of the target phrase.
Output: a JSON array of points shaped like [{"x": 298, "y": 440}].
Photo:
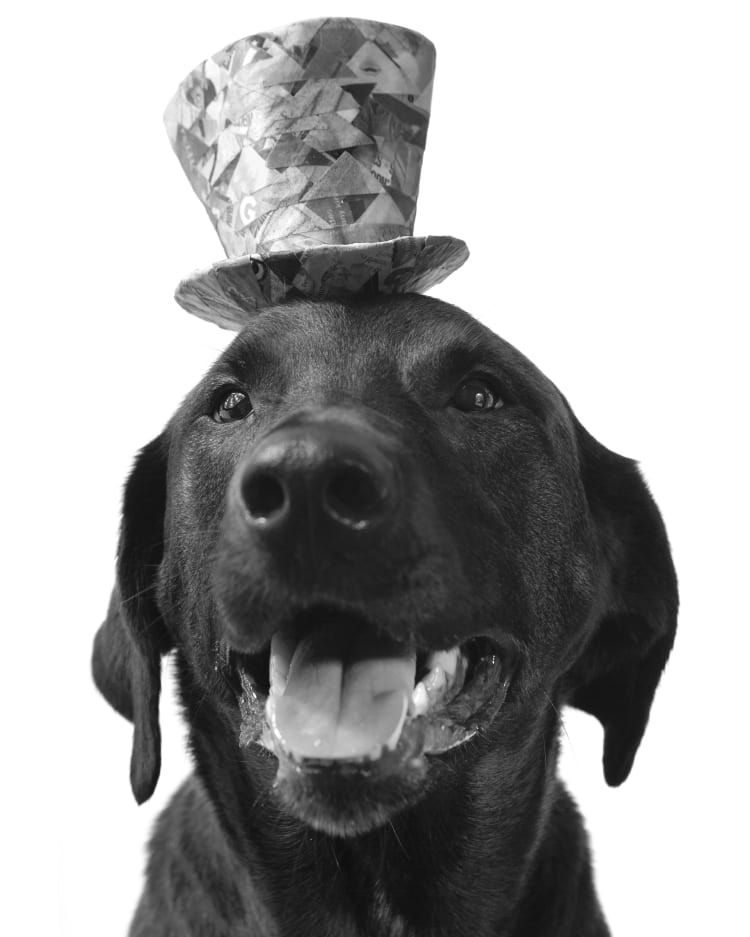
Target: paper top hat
[{"x": 305, "y": 146}]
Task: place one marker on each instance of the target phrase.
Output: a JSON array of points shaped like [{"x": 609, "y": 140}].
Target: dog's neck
[{"x": 406, "y": 878}]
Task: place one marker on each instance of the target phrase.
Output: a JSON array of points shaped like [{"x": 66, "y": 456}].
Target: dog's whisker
[
  {"x": 560, "y": 717},
  {"x": 398, "y": 838},
  {"x": 565, "y": 730},
  {"x": 335, "y": 854},
  {"x": 551, "y": 702},
  {"x": 137, "y": 595}
]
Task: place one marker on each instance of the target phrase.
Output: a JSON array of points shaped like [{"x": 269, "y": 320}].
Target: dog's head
[{"x": 384, "y": 549}]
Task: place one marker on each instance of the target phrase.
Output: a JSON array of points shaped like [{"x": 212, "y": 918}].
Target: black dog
[{"x": 386, "y": 555}]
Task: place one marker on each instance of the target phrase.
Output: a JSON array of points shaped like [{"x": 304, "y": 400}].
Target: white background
[{"x": 595, "y": 156}]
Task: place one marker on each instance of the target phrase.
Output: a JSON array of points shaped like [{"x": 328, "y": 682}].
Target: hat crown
[{"x": 307, "y": 135}]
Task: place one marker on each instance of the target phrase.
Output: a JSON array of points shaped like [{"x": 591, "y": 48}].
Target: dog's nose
[{"x": 322, "y": 475}]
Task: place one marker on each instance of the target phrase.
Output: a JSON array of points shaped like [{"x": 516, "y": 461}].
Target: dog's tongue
[{"x": 346, "y": 694}]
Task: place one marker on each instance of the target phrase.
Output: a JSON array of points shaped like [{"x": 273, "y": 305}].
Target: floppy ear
[
  {"x": 616, "y": 677},
  {"x": 126, "y": 661}
]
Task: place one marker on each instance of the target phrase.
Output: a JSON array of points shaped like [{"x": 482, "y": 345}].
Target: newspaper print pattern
[
  {"x": 303, "y": 143},
  {"x": 307, "y": 135},
  {"x": 231, "y": 292}
]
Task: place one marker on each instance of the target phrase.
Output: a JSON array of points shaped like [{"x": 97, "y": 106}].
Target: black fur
[{"x": 513, "y": 522}]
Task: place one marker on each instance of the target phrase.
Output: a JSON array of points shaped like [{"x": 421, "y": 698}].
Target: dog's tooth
[
  {"x": 435, "y": 682},
  {"x": 278, "y": 664},
  {"x": 392, "y": 740},
  {"x": 419, "y": 701},
  {"x": 448, "y": 660}
]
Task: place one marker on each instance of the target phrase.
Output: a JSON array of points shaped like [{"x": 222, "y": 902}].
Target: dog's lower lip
[{"x": 451, "y": 723}]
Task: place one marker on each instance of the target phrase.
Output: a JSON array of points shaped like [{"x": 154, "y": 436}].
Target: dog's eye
[
  {"x": 233, "y": 406},
  {"x": 475, "y": 396}
]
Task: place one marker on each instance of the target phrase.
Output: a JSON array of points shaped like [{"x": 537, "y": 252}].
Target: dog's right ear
[{"x": 128, "y": 647}]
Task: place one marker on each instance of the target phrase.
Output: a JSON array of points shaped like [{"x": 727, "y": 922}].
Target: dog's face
[{"x": 385, "y": 550}]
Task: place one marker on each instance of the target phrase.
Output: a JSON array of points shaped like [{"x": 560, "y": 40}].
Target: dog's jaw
[{"x": 353, "y": 790}]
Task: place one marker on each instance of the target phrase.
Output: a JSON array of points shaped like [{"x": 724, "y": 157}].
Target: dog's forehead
[{"x": 403, "y": 334}]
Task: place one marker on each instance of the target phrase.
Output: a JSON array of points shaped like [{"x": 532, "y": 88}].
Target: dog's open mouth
[{"x": 333, "y": 691}]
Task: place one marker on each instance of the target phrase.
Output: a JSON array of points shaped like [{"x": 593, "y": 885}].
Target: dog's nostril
[
  {"x": 263, "y": 495},
  {"x": 352, "y": 496}
]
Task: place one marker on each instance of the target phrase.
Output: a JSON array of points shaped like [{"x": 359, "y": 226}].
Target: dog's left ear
[
  {"x": 128, "y": 647},
  {"x": 616, "y": 677}
]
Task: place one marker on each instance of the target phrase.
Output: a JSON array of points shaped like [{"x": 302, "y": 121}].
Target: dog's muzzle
[{"x": 318, "y": 504}]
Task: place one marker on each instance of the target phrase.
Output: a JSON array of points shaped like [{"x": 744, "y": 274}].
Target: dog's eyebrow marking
[
  {"x": 246, "y": 359},
  {"x": 454, "y": 358},
  {"x": 460, "y": 357}
]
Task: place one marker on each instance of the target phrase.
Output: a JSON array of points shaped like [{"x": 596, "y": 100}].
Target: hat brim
[{"x": 231, "y": 292}]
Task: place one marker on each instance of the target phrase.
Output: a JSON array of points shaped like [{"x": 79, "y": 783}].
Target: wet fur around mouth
[{"x": 507, "y": 523}]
